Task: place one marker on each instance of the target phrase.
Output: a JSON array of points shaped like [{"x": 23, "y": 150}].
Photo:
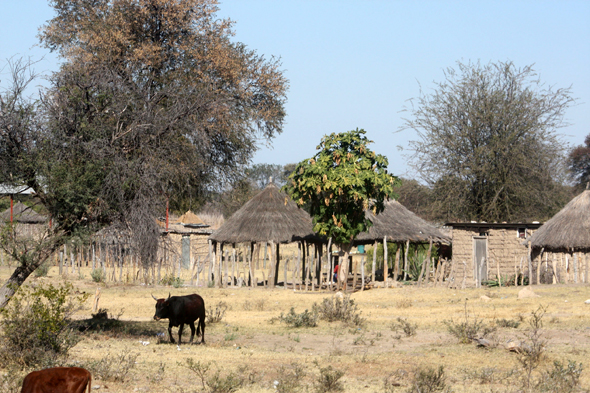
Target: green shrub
[
  {"x": 98, "y": 275},
  {"x": 170, "y": 280},
  {"x": 36, "y": 326},
  {"x": 305, "y": 319},
  {"x": 339, "y": 309},
  {"x": 561, "y": 378},
  {"x": 507, "y": 323}
]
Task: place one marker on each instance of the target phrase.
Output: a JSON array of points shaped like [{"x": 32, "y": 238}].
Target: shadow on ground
[{"x": 113, "y": 326}]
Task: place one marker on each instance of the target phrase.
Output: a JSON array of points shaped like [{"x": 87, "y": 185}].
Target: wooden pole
[
  {"x": 406, "y": 260},
  {"x": 211, "y": 262},
  {"x": 385, "y": 262},
  {"x": 363, "y": 272},
  {"x": 586, "y": 269},
  {"x": 374, "y": 261},
  {"x": 576, "y": 267},
  {"x": 277, "y": 262},
  {"x": 396, "y": 268},
  {"x": 252, "y": 280},
  {"x": 530, "y": 265},
  {"x": 498, "y": 273},
  {"x": 424, "y": 263},
  {"x": 451, "y": 274}
]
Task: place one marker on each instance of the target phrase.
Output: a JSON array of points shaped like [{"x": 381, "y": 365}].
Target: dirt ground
[{"x": 250, "y": 343}]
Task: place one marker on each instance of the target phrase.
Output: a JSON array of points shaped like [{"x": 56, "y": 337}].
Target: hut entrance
[
  {"x": 480, "y": 253},
  {"x": 186, "y": 251}
]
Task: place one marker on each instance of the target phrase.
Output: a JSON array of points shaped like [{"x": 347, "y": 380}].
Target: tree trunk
[
  {"x": 343, "y": 269},
  {"x": 36, "y": 257}
]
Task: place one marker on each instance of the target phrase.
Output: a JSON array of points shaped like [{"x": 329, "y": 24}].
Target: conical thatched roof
[
  {"x": 190, "y": 219},
  {"x": 399, "y": 225},
  {"x": 269, "y": 216},
  {"x": 23, "y": 214},
  {"x": 569, "y": 229}
]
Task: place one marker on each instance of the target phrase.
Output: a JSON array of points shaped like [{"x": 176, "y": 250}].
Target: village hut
[
  {"x": 269, "y": 217},
  {"x": 484, "y": 251},
  {"x": 187, "y": 243},
  {"x": 561, "y": 246},
  {"x": 28, "y": 222},
  {"x": 399, "y": 225}
]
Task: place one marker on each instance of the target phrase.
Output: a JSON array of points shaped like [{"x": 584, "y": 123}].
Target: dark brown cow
[
  {"x": 57, "y": 380},
  {"x": 180, "y": 310}
]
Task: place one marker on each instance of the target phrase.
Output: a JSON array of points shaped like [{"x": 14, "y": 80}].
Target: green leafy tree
[
  {"x": 487, "y": 143},
  {"x": 338, "y": 184}
]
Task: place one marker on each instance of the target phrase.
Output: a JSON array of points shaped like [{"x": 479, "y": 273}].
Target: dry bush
[
  {"x": 408, "y": 328},
  {"x": 429, "y": 380},
  {"x": 114, "y": 368},
  {"x": 337, "y": 309},
  {"x": 215, "y": 381},
  {"x": 329, "y": 380},
  {"x": 292, "y": 319},
  {"x": 12, "y": 380},
  {"x": 290, "y": 379},
  {"x": 468, "y": 329},
  {"x": 215, "y": 315},
  {"x": 507, "y": 323},
  {"x": 533, "y": 348},
  {"x": 404, "y": 303}
]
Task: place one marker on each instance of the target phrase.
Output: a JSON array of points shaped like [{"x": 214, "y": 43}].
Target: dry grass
[{"x": 246, "y": 343}]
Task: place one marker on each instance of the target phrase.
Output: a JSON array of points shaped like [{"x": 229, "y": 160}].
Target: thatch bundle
[
  {"x": 190, "y": 219},
  {"x": 568, "y": 230},
  {"x": 269, "y": 216},
  {"x": 400, "y": 225},
  {"x": 23, "y": 214}
]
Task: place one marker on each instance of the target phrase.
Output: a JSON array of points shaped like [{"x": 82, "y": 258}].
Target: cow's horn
[
  {"x": 154, "y": 297},
  {"x": 168, "y": 295}
]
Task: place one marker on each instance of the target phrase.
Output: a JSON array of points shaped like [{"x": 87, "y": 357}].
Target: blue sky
[{"x": 356, "y": 63}]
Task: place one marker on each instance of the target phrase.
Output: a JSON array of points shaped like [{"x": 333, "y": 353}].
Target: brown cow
[{"x": 57, "y": 380}]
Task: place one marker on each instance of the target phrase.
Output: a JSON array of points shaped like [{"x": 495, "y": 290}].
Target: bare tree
[
  {"x": 487, "y": 143},
  {"x": 579, "y": 164},
  {"x": 21, "y": 128}
]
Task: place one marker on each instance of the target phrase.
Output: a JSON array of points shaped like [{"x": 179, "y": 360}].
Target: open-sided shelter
[
  {"x": 399, "y": 225},
  {"x": 271, "y": 216},
  {"x": 560, "y": 248}
]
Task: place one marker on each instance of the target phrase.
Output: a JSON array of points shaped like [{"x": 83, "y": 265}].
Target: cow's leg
[
  {"x": 202, "y": 326},
  {"x": 170, "y": 333},
  {"x": 192, "y": 326},
  {"x": 180, "y": 328}
]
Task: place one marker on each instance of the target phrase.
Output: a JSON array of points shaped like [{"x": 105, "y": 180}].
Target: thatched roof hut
[
  {"x": 568, "y": 230},
  {"x": 400, "y": 225},
  {"x": 269, "y": 216},
  {"x": 23, "y": 214}
]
